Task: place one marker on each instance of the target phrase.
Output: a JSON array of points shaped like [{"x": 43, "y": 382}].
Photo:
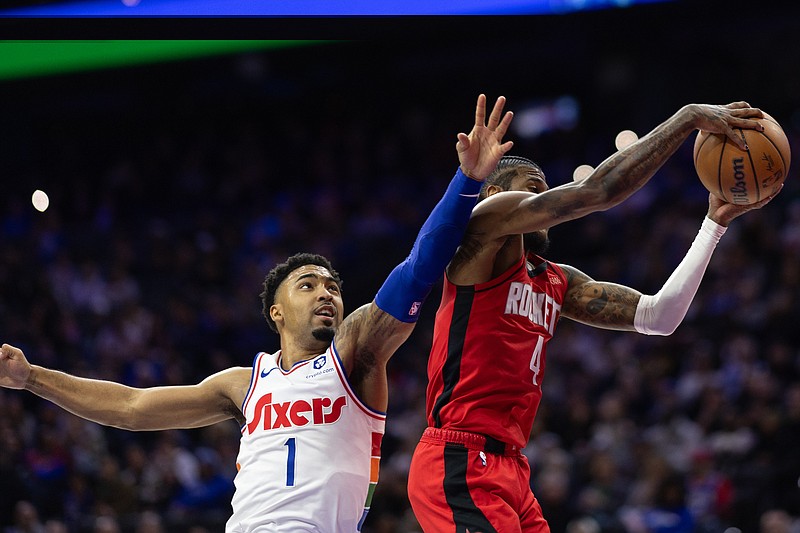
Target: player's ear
[
  {"x": 276, "y": 313},
  {"x": 493, "y": 189}
]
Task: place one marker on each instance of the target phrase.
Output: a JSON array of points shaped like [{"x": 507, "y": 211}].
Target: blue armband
[{"x": 410, "y": 282}]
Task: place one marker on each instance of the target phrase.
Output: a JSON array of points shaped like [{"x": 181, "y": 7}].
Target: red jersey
[{"x": 487, "y": 360}]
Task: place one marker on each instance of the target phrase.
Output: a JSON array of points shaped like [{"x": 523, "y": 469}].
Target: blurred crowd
[{"x": 147, "y": 265}]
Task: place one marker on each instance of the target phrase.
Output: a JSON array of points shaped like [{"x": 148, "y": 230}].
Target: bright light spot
[
  {"x": 40, "y": 200},
  {"x": 131, "y": 3},
  {"x": 536, "y": 118},
  {"x": 625, "y": 138},
  {"x": 582, "y": 172}
]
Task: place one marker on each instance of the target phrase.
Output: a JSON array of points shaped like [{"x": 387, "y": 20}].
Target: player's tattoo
[
  {"x": 605, "y": 305},
  {"x": 627, "y": 171},
  {"x": 596, "y": 305},
  {"x": 469, "y": 249},
  {"x": 365, "y": 333}
]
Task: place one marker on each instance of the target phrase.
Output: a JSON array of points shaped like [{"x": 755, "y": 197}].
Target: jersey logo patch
[
  {"x": 555, "y": 280},
  {"x": 319, "y": 362},
  {"x": 265, "y": 373}
]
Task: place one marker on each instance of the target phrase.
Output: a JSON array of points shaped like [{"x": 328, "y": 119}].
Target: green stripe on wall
[{"x": 21, "y": 59}]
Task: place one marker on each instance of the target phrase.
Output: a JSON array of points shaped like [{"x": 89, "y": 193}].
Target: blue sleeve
[{"x": 410, "y": 282}]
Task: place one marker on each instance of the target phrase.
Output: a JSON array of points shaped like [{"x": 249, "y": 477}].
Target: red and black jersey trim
[
  {"x": 451, "y": 371},
  {"x": 466, "y": 515},
  {"x": 538, "y": 269}
]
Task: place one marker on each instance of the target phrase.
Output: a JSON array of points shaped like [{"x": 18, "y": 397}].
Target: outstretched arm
[
  {"x": 369, "y": 336},
  {"x": 479, "y": 152},
  {"x": 612, "y": 181},
  {"x": 116, "y": 405},
  {"x": 613, "y": 306}
]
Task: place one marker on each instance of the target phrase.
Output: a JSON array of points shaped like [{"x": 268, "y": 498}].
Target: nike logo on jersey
[
  {"x": 296, "y": 413},
  {"x": 264, "y": 372}
]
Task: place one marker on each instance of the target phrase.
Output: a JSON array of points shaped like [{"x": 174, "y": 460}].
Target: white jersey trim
[
  {"x": 253, "y": 381},
  {"x": 374, "y": 413}
]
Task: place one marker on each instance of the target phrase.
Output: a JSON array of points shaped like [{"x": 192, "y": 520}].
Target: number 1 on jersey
[
  {"x": 536, "y": 359},
  {"x": 290, "y": 444}
]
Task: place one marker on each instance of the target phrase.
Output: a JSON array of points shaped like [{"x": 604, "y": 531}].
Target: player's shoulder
[
  {"x": 572, "y": 275},
  {"x": 237, "y": 375}
]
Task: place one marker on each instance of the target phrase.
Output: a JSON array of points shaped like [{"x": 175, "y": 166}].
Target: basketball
[{"x": 738, "y": 176}]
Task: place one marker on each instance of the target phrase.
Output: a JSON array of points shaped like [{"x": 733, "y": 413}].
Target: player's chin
[
  {"x": 324, "y": 333},
  {"x": 536, "y": 242}
]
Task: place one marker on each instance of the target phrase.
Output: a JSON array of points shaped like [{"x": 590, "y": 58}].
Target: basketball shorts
[{"x": 466, "y": 483}]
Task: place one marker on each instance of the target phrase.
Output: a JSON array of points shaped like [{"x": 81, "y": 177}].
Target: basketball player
[
  {"x": 501, "y": 302},
  {"x": 312, "y": 413}
]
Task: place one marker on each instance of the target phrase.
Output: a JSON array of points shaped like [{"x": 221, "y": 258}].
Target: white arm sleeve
[{"x": 661, "y": 313}]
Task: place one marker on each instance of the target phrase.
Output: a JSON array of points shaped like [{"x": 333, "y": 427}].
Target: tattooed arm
[
  {"x": 599, "y": 304},
  {"x": 366, "y": 340},
  {"x": 492, "y": 241},
  {"x": 614, "y": 180}
]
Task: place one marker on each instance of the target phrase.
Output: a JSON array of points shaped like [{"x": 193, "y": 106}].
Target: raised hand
[
  {"x": 14, "y": 368},
  {"x": 725, "y": 118},
  {"x": 480, "y": 151},
  {"x": 723, "y": 212}
]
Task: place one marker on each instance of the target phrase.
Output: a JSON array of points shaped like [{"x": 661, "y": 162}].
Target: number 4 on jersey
[{"x": 536, "y": 359}]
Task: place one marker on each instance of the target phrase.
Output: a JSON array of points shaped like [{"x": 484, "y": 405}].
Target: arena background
[{"x": 175, "y": 184}]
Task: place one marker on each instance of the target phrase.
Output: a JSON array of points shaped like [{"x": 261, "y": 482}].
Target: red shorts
[{"x": 456, "y": 486}]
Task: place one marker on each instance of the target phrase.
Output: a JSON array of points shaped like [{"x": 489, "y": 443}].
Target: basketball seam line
[{"x": 755, "y": 173}]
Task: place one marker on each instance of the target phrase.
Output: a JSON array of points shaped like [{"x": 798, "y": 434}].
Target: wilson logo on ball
[{"x": 739, "y": 189}]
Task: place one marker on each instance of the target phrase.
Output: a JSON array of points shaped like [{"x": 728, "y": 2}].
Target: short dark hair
[
  {"x": 505, "y": 171},
  {"x": 281, "y": 271}
]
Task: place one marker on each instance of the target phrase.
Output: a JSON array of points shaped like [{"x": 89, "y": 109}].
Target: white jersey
[{"x": 310, "y": 450}]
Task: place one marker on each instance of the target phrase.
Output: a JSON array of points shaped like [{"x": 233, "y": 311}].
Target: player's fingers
[
  {"x": 749, "y": 112},
  {"x": 736, "y": 137},
  {"x": 768, "y": 199},
  {"x": 480, "y": 110},
  {"x": 497, "y": 112},
  {"x": 737, "y": 105},
  {"x": 746, "y": 123},
  {"x": 506, "y": 146},
  {"x": 502, "y": 128},
  {"x": 463, "y": 142}
]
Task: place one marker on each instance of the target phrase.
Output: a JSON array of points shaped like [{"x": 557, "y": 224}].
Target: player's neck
[{"x": 294, "y": 351}]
